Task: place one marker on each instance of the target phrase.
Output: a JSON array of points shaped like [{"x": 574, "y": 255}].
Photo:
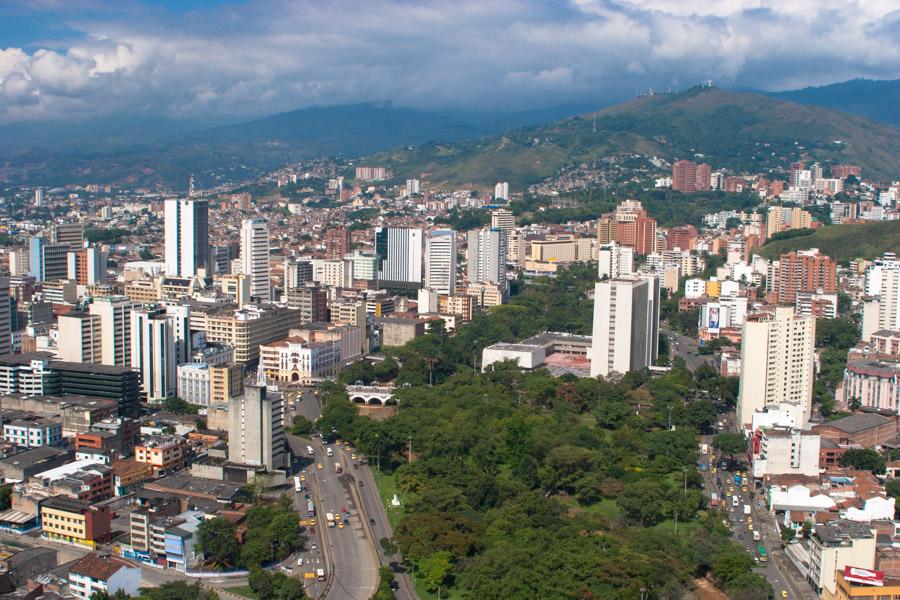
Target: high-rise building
[
  {"x": 297, "y": 271},
  {"x": 39, "y": 197},
  {"x": 412, "y": 187},
  {"x": 19, "y": 262},
  {"x": 180, "y": 317},
  {"x": 805, "y": 271},
  {"x": 256, "y": 432},
  {"x": 626, "y": 325},
  {"x": 777, "y": 363},
  {"x": 399, "y": 252},
  {"x": 629, "y": 226},
  {"x": 781, "y": 218},
  {"x": 440, "y": 256},
  {"x": 247, "y": 328},
  {"x": 115, "y": 328},
  {"x": 337, "y": 242},
  {"x": 614, "y": 261},
  {"x": 255, "y": 257},
  {"x": 486, "y": 257},
  {"x": 501, "y": 191},
  {"x": 47, "y": 261},
  {"x": 80, "y": 338},
  {"x": 5, "y": 317},
  {"x": 503, "y": 218},
  {"x": 365, "y": 266},
  {"x": 87, "y": 266},
  {"x": 882, "y": 311},
  {"x": 238, "y": 287},
  {"x": 154, "y": 353},
  {"x": 688, "y": 176},
  {"x": 68, "y": 233},
  {"x": 187, "y": 237},
  {"x": 310, "y": 300}
]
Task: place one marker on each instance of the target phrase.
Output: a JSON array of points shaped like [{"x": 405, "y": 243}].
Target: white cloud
[{"x": 266, "y": 56}]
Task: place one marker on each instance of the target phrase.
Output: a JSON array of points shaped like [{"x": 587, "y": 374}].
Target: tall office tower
[
  {"x": 255, "y": 257},
  {"x": 297, "y": 271},
  {"x": 311, "y": 300},
  {"x": 256, "y": 432},
  {"x": 777, "y": 362},
  {"x": 399, "y": 253},
  {"x": 440, "y": 256},
  {"x": 626, "y": 325},
  {"x": 486, "y": 257},
  {"x": 39, "y": 197},
  {"x": 412, "y": 187},
  {"x": 503, "y": 218},
  {"x": 71, "y": 234},
  {"x": 47, "y": 261},
  {"x": 220, "y": 260},
  {"x": 797, "y": 170},
  {"x": 187, "y": 237},
  {"x": 180, "y": 316},
  {"x": 688, "y": 176},
  {"x": 337, "y": 242},
  {"x": 80, "y": 339},
  {"x": 115, "y": 328},
  {"x": 153, "y": 352},
  {"x": 365, "y": 266},
  {"x": 88, "y": 266},
  {"x": 805, "y": 271},
  {"x": 614, "y": 261},
  {"x": 5, "y": 317},
  {"x": 501, "y": 191},
  {"x": 873, "y": 272},
  {"x": 882, "y": 312},
  {"x": 19, "y": 261}
]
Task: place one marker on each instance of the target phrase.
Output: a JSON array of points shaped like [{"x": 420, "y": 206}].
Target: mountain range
[{"x": 738, "y": 130}]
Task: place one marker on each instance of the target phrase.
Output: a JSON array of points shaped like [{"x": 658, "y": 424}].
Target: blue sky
[{"x": 75, "y": 59}]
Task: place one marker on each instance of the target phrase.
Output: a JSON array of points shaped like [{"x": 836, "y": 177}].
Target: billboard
[
  {"x": 864, "y": 576},
  {"x": 714, "y": 318}
]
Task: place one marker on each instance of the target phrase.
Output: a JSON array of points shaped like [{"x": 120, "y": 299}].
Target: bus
[
  {"x": 329, "y": 519},
  {"x": 761, "y": 553},
  {"x": 310, "y": 509},
  {"x": 704, "y": 449},
  {"x": 298, "y": 487},
  {"x": 320, "y": 574}
]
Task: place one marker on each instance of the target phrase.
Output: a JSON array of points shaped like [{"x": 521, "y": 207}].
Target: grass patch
[
  {"x": 243, "y": 590},
  {"x": 446, "y": 593},
  {"x": 387, "y": 487},
  {"x": 843, "y": 242},
  {"x": 606, "y": 507}
]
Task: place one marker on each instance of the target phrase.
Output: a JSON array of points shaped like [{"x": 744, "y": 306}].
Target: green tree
[
  {"x": 788, "y": 534},
  {"x": 864, "y": 459},
  {"x": 644, "y": 501},
  {"x": 436, "y": 569},
  {"x": 385, "y": 578},
  {"x": 5, "y": 496},
  {"x": 892, "y": 487},
  {"x": 300, "y": 425},
  {"x": 388, "y": 546},
  {"x": 179, "y": 590},
  {"x": 216, "y": 540},
  {"x": 729, "y": 443},
  {"x": 179, "y": 407},
  {"x": 841, "y": 334},
  {"x": 260, "y": 581}
]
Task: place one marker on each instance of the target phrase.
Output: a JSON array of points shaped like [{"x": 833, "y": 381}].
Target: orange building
[
  {"x": 164, "y": 455},
  {"x": 806, "y": 271}
]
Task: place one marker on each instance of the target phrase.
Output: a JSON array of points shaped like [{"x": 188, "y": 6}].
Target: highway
[{"x": 776, "y": 569}]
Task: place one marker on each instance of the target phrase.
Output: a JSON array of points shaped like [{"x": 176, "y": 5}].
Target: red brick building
[
  {"x": 805, "y": 272},
  {"x": 688, "y": 176},
  {"x": 866, "y": 429},
  {"x": 845, "y": 171},
  {"x": 337, "y": 242}
]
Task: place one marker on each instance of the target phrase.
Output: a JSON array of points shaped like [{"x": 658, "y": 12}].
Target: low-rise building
[
  {"x": 75, "y": 521},
  {"x": 836, "y": 545},
  {"x": 33, "y": 431},
  {"x": 785, "y": 451},
  {"x": 866, "y": 429},
  {"x": 95, "y": 573},
  {"x": 163, "y": 454}
]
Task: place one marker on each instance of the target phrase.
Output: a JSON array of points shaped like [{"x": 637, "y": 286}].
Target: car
[
  {"x": 741, "y": 536},
  {"x": 346, "y": 522},
  {"x": 303, "y": 478},
  {"x": 394, "y": 585},
  {"x": 300, "y": 562},
  {"x": 371, "y": 521},
  {"x": 340, "y": 525},
  {"x": 784, "y": 594},
  {"x": 353, "y": 456},
  {"x": 362, "y": 483},
  {"x": 312, "y": 522},
  {"x": 314, "y": 546},
  {"x": 320, "y": 465}
]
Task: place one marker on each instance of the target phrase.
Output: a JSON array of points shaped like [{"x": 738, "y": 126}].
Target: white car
[{"x": 300, "y": 562}]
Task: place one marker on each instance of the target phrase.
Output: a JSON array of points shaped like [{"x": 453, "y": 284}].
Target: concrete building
[
  {"x": 237, "y": 286},
  {"x": 337, "y": 242},
  {"x": 114, "y": 313},
  {"x": 194, "y": 383},
  {"x": 626, "y": 325},
  {"x": 246, "y": 329},
  {"x": 71, "y": 234},
  {"x": 777, "y": 364},
  {"x": 503, "y": 218},
  {"x": 398, "y": 330},
  {"x": 296, "y": 360},
  {"x": 256, "y": 432},
  {"x": 187, "y": 237},
  {"x": 80, "y": 338},
  {"x": 501, "y": 191},
  {"x": 255, "y": 257},
  {"x": 5, "y": 317},
  {"x": 47, "y": 261},
  {"x": 163, "y": 454},
  {"x": 399, "y": 253},
  {"x": 33, "y": 432},
  {"x": 614, "y": 261},
  {"x": 486, "y": 257},
  {"x": 74, "y": 521},
  {"x": 297, "y": 271},
  {"x": 311, "y": 302},
  {"x": 440, "y": 257},
  {"x": 872, "y": 383},
  {"x": 94, "y": 573},
  {"x": 226, "y": 382},
  {"x": 805, "y": 271},
  {"x": 154, "y": 352},
  {"x": 87, "y": 266},
  {"x": 836, "y": 545},
  {"x": 785, "y": 451}
]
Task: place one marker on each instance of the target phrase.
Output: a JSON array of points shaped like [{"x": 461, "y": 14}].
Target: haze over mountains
[{"x": 725, "y": 126}]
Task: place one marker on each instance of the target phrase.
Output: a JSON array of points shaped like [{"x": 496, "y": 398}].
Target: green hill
[
  {"x": 736, "y": 130},
  {"x": 843, "y": 242}
]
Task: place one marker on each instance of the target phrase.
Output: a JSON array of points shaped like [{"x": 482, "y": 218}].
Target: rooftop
[
  {"x": 97, "y": 567},
  {"x": 842, "y": 530},
  {"x": 858, "y": 422}
]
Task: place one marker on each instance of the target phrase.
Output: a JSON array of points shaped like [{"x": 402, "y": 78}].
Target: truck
[
  {"x": 310, "y": 509},
  {"x": 329, "y": 452},
  {"x": 338, "y": 468},
  {"x": 310, "y": 451},
  {"x": 746, "y": 509},
  {"x": 298, "y": 486},
  {"x": 756, "y": 535},
  {"x": 714, "y": 500},
  {"x": 704, "y": 449},
  {"x": 320, "y": 574},
  {"x": 329, "y": 518}
]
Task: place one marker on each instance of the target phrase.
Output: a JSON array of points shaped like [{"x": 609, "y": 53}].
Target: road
[
  {"x": 685, "y": 347},
  {"x": 777, "y": 569}
]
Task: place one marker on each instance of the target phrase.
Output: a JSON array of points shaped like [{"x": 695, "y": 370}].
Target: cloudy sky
[{"x": 191, "y": 58}]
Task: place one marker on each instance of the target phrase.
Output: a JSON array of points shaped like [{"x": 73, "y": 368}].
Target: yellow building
[
  {"x": 848, "y": 590},
  {"x": 143, "y": 291},
  {"x": 72, "y": 521},
  {"x": 713, "y": 289},
  {"x": 225, "y": 382}
]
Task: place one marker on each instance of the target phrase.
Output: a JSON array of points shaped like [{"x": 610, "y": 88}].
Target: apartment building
[
  {"x": 248, "y": 328},
  {"x": 75, "y": 521}
]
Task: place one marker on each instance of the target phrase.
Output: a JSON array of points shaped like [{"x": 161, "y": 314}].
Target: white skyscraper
[
  {"x": 626, "y": 324},
  {"x": 614, "y": 260},
  {"x": 486, "y": 256},
  {"x": 501, "y": 191},
  {"x": 412, "y": 187},
  {"x": 115, "y": 328},
  {"x": 39, "y": 197},
  {"x": 256, "y": 432},
  {"x": 5, "y": 317},
  {"x": 255, "y": 257},
  {"x": 399, "y": 253},
  {"x": 154, "y": 352},
  {"x": 440, "y": 257},
  {"x": 777, "y": 363},
  {"x": 883, "y": 284},
  {"x": 187, "y": 237}
]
